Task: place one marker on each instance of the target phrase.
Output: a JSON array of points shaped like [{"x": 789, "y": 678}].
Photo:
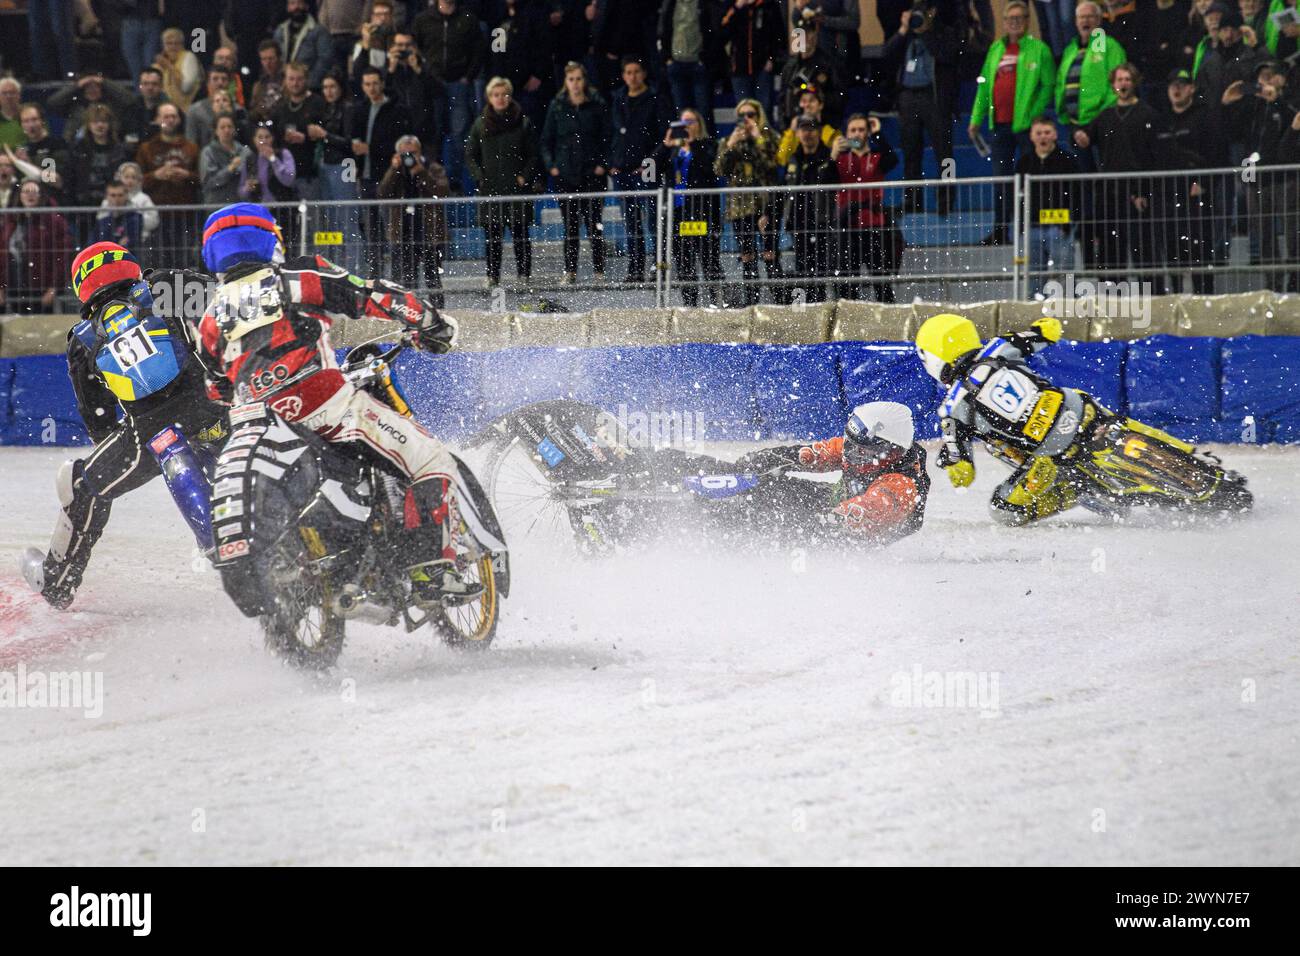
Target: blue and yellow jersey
[{"x": 134, "y": 349}]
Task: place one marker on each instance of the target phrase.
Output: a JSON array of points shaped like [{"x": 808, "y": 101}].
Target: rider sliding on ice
[
  {"x": 267, "y": 331},
  {"x": 881, "y": 494}
]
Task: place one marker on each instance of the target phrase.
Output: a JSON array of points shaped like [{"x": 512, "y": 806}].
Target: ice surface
[{"x": 686, "y": 707}]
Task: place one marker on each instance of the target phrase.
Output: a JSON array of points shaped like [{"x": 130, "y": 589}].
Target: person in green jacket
[
  {"x": 1083, "y": 78},
  {"x": 502, "y": 157},
  {"x": 1014, "y": 87},
  {"x": 1282, "y": 42}
]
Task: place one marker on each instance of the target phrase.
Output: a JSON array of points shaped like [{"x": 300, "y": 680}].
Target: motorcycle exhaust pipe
[{"x": 352, "y": 604}]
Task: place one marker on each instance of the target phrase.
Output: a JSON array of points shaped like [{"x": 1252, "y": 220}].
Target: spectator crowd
[{"x": 168, "y": 109}]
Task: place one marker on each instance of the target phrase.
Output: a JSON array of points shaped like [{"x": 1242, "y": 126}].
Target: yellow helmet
[{"x": 944, "y": 338}]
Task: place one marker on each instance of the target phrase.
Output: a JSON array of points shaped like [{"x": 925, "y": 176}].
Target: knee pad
[{"x": 66, "y": 479}]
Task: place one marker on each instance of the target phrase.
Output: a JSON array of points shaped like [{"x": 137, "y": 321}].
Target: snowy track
[{"x": 687, "y": 707}]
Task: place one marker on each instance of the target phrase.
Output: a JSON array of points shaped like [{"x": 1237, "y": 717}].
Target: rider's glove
[
  {"x": 436, "y": 333},
  {"x": 1049, "y": 328},
  {"x": 961, "y": 474}
]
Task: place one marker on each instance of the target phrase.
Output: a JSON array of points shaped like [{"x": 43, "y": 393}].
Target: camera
[
  {"x": 404, "y": 54},
  {"x": 408, "y": 160},
  {"x": 918, "y": 16},
  {"x": 677, "y": 130},
  {"x": 809, "y": 13}
]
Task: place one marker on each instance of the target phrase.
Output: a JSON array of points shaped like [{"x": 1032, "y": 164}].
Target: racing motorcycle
[
  {"x": 564, "y": 469},
  {"x": 306, "y": 534},
  {"x": 1123, "y": 463}
]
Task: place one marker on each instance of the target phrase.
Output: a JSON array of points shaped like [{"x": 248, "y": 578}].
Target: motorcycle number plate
[
  {"x": 1009, "y": 393},
  {"x": 1043, "y": 415}
]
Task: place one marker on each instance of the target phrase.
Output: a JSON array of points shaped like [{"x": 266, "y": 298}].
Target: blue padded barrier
[
  {"x": 798, "y": 391},
  {"x": 42, "y": 404},
  {"x": 1094, "y": 367},
  {"x": 1259, "y": 377},
  {"x": 890, "y": 371},
  {"x": 1173, "y": 383}
]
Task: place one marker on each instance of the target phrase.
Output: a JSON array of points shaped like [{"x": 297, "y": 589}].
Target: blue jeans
[
  {"x": 50, "y": 33},
  {"x": 1050, "y": 247},
  {"x": 459, "y": 107},
  {"x": 756, "y": 87},
  {"x": 637, "y": 211},
  {"x": 141, "y": 41},
  {"x": 1056, "y": 19},
  {"x": 331, "y": 184},
  {"x": 1004, "y": 143},
  {"x": 690, "y": 86}
]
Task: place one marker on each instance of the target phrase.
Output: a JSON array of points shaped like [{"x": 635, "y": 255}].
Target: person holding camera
[
  {"x": 575, "y": 149},
  {"x": 868, "y": 236},
  {"x": 1260, "y": 117},
  {"x": 417, "y": 231},
  {"x": 1015, "y": 86},
  {"x": 748, "y": 159},
  {"x": 376, "y": 37},
  {"x": 811, "y": 103},
  {"x": 409, "y": 83},
  {"x": 812, "y": 216},
  {"x": 926, "y": 50},
  {"x": 502, "y": 157},
  {"x": 811, "y": 66},
  {"x": 688, "y": 156}
]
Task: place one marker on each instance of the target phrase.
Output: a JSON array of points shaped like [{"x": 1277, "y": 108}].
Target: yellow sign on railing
[
  {"x": 693, "y": 228},
  {"x": 1053, "y": 217},
  {"x": 329, "y": 239}
]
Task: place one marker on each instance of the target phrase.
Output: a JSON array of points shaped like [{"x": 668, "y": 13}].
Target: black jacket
[
  {"x": 811, "y": 209},
  {"x": 1265, "y": 128},
  {"x": 1126, "y": 138},
  {"x": 700, "y": 175},
  {"x": 575, "y": 140},
  {"x": 391, "y": 123},
  {"x": 639, "y": 124},
  {"x": 944, "y": 41},
  {"x": 1050, "y": 194}
]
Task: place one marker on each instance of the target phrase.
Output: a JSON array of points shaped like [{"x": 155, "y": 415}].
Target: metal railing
[{"x": 1201, "y": 231}]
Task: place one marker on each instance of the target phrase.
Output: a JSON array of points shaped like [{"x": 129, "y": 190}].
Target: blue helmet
[{"x": 241, "y": 232}]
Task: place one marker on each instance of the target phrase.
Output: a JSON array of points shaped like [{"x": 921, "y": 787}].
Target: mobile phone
[
  {"x": 677, "y": 130},
  {"x": 855, "y": 144}
]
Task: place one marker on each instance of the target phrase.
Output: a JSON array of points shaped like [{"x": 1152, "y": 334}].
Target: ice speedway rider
[
  {"x": 1039, "y": 428},
  {"x": 882, "y": 491},
  {"x": 122, "y": 354},
  {"x": 266, "y": 331}
]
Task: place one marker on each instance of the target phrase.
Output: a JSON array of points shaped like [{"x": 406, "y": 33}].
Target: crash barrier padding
[
  {"x": 42, "y": 406},
  {"x": 1259, "y": 393},
  {"x": 1201, "y": 389},
  {"x": 1222, "y": 316}
]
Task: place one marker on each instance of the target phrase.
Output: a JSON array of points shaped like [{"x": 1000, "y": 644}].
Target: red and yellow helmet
[{"x": 101, "y": 265}]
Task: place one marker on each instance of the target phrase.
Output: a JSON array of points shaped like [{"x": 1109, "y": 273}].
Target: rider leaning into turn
[
  {"x": 267, "y": 331},
  {"x": 123, "y": 354},
  {"x": 881, "y": 494},
  {"x": 1035, "y": 426}
]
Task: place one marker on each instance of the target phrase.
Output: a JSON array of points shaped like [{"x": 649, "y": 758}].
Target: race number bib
[
  {"x": 1009, "y": 393},
  {"x": 132, "y": 347}
]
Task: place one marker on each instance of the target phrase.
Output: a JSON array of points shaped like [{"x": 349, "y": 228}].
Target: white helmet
[{"x": 876, "y": 421}]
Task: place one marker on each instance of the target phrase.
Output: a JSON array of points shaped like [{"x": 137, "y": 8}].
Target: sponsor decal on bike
[
  {"x": 232, "y": 549},
  {"x": 163, "y": 440},
  {"x": 226, "y": 530},
  {"x": 550, "y": 454},
  {"x": 1044, "y": 414},
  {"x": 249, "y": 412}
]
